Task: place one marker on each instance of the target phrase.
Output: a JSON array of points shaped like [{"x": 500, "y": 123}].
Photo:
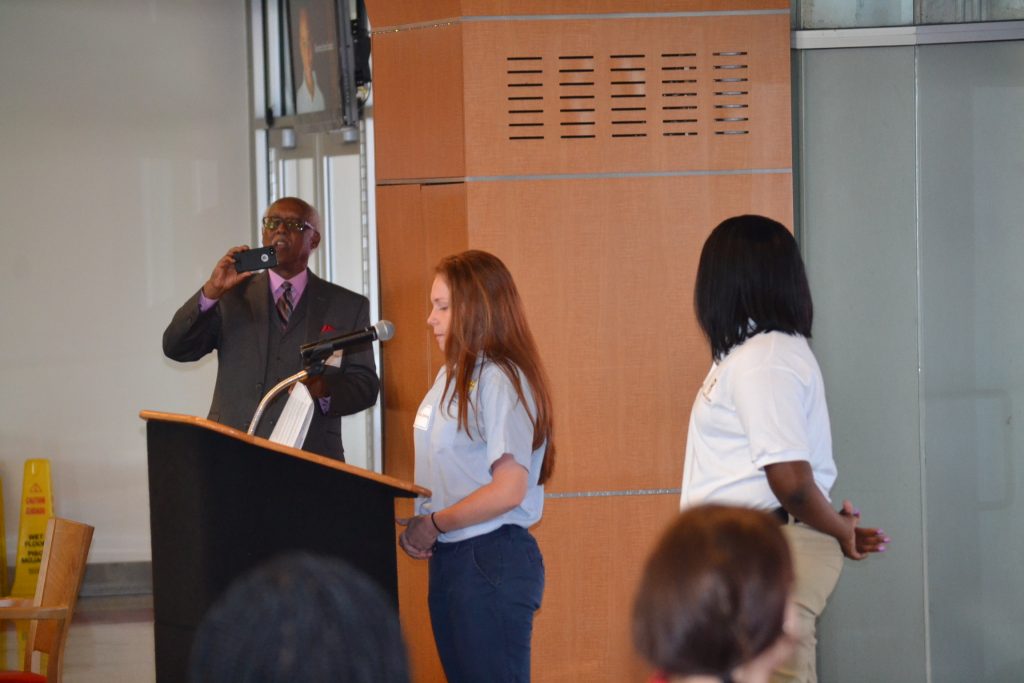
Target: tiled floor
[{"x": 111, "y": 640}]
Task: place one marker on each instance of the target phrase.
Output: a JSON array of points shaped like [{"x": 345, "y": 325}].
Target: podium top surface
[{"x": 409, "y": 489}]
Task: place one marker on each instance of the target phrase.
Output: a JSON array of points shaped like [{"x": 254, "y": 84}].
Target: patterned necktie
[{"x": 284, "y": 304}]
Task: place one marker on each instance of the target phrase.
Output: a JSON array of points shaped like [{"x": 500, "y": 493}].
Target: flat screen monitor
[{"x": 322, "y": 55}]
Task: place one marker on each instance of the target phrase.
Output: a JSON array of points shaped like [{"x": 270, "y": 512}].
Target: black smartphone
[{"x": 255, "y": 259}]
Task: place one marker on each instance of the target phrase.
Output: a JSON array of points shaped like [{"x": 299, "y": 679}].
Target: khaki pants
[{"x": 817, "y": 561}]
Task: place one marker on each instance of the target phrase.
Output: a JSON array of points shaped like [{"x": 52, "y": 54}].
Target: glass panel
[
  {"x": 972, "y": 286},
  {"x": 820, "y": 14},
  {"x": 346, "y": 215},
  {"x": 953, "y": 11},
  {"x": 859, "y": 238},
  {"x": 329, "y": 174},
  {"x": 351, "y": 270},
  {"x": 815, "y": 14},
  {"x": 999, "y": 10},
  {"x": 298, "y": 179}
]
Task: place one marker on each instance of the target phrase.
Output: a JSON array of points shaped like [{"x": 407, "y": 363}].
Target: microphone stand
[{"x": 315, "y": 368}]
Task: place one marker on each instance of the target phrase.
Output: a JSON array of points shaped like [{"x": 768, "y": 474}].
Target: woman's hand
[
  {"x": 866, "y": 540},
  {"x": 793, "y": 485},
  {"x": 848, "y": 540},
  {"x": 419, "y": 536}
]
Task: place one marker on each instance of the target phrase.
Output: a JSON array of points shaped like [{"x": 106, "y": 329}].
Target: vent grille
[
  {"x": 525, "y": 97},
  {"x": 731, "y": 99},
  {"x": 627, "y": 108},
  {"x": 576, "y": 95},
  {"x": 628, "y": 95}
]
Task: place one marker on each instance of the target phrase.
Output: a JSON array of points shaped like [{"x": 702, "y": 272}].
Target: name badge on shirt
[{"x": 423, "y": 417}]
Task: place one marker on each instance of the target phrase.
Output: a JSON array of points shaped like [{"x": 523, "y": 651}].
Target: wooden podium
[{"x": 222, "y": 502}]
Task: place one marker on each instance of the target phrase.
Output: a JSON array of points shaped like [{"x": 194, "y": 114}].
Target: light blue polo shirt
[{"x": 454, "y": 464}]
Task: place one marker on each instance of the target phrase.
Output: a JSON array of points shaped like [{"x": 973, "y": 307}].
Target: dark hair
[
  {"x": 713, "y": 593},
  {"x": 751, "y": 279},
  {"x": 300, "y": 618},
  {"x": 488, "y": 319}
]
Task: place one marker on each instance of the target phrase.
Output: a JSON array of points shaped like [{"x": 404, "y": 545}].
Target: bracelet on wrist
[{"x": 434, "y": 522}]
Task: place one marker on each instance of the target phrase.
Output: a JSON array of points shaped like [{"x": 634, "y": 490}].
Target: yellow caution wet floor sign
[{"x": 36, "y": 510}]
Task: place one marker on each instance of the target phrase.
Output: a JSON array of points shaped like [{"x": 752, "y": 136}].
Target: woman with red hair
[{"x": 483, "y": 437}]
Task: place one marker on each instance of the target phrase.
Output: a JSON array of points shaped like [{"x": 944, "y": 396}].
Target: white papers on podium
[{"x": 293, "y": 424}]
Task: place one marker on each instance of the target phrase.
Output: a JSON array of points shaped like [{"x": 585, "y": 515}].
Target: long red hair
[{"x": 487, "y": 319}]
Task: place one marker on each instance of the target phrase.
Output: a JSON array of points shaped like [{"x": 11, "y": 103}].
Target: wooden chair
[{"x": 61, "y": 571}]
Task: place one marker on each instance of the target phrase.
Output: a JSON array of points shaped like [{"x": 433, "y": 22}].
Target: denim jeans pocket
[
  {"x": 534, "y": 555},
  {"x": 489, "y": 560}
]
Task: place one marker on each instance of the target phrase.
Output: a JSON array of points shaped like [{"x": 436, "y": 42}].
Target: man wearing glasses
[{"x": 257, "y": 322}]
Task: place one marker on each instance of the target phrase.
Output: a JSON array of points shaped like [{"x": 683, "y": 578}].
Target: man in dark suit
[{"x": 257, "y": 322}]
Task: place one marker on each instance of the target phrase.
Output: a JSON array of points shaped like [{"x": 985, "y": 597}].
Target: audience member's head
[
  {"x": 714, "y": 594},
  {"x": 300, "y": 618}
]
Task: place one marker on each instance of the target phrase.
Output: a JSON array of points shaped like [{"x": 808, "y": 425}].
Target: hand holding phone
[{"x": 255, "y": 259}]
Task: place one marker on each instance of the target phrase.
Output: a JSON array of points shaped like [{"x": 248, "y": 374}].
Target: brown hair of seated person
[{"x": 713, "y": 596}]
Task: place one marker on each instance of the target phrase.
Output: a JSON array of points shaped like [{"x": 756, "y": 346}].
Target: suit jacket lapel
[{"x": 316, "y": 307}]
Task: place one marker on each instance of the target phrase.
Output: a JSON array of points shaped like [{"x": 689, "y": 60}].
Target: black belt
[{"x": 783, "y": 516}]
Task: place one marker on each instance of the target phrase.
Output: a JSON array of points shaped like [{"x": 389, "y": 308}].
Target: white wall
[{"x": 124, "y": 175}]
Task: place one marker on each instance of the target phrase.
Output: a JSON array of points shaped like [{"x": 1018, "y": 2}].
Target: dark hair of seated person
[
  {"x": 300, "y": 618},
  {"x": 713, "y": 593}
]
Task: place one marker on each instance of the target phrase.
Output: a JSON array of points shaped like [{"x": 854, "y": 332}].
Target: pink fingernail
[{"x": 881, "y": 548}]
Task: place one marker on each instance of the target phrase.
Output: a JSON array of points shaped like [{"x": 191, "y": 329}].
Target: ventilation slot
[
  {"x": 525, "y": 84},
  {"x": 679, "y": 80},
  {"x": 731, "y": 99},
  {"x": 628, "y": 94},
  {"x": 576, "y": 115}
]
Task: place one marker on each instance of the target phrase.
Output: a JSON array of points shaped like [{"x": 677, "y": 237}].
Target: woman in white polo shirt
[
  {"x": 759, "y": 430},
  {"x": 484, "y": 449}
]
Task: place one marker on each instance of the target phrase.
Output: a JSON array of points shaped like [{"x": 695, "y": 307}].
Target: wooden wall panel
[
  {"x": 418, "y": 91},
  {"x": 652, "y": 94},
  {"x": 385, "y": 14},
  {"x": 416, "y": 226},
  {"x": 413, "y": 611},
  {"x": 606, "y": 268},
  {"x": 675, "y": 93},
  {"x": 521, "y": 7},
  {"x": 594, "y": 550}
]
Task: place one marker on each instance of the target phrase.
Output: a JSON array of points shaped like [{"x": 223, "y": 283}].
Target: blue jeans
[{"x": 483, "y": 593}]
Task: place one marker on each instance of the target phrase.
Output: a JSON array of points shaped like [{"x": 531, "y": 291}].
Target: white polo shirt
[{"x": 763, "y": 403}]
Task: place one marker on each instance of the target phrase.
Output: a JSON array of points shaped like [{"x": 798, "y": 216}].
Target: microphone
[{"x": 315, "y": 352}]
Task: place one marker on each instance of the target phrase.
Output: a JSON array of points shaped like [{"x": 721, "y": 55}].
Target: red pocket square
[{"x": 326, "y": 328}]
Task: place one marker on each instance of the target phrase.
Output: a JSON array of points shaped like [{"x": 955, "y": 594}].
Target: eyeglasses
[{"x": 272, "y": 223}]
